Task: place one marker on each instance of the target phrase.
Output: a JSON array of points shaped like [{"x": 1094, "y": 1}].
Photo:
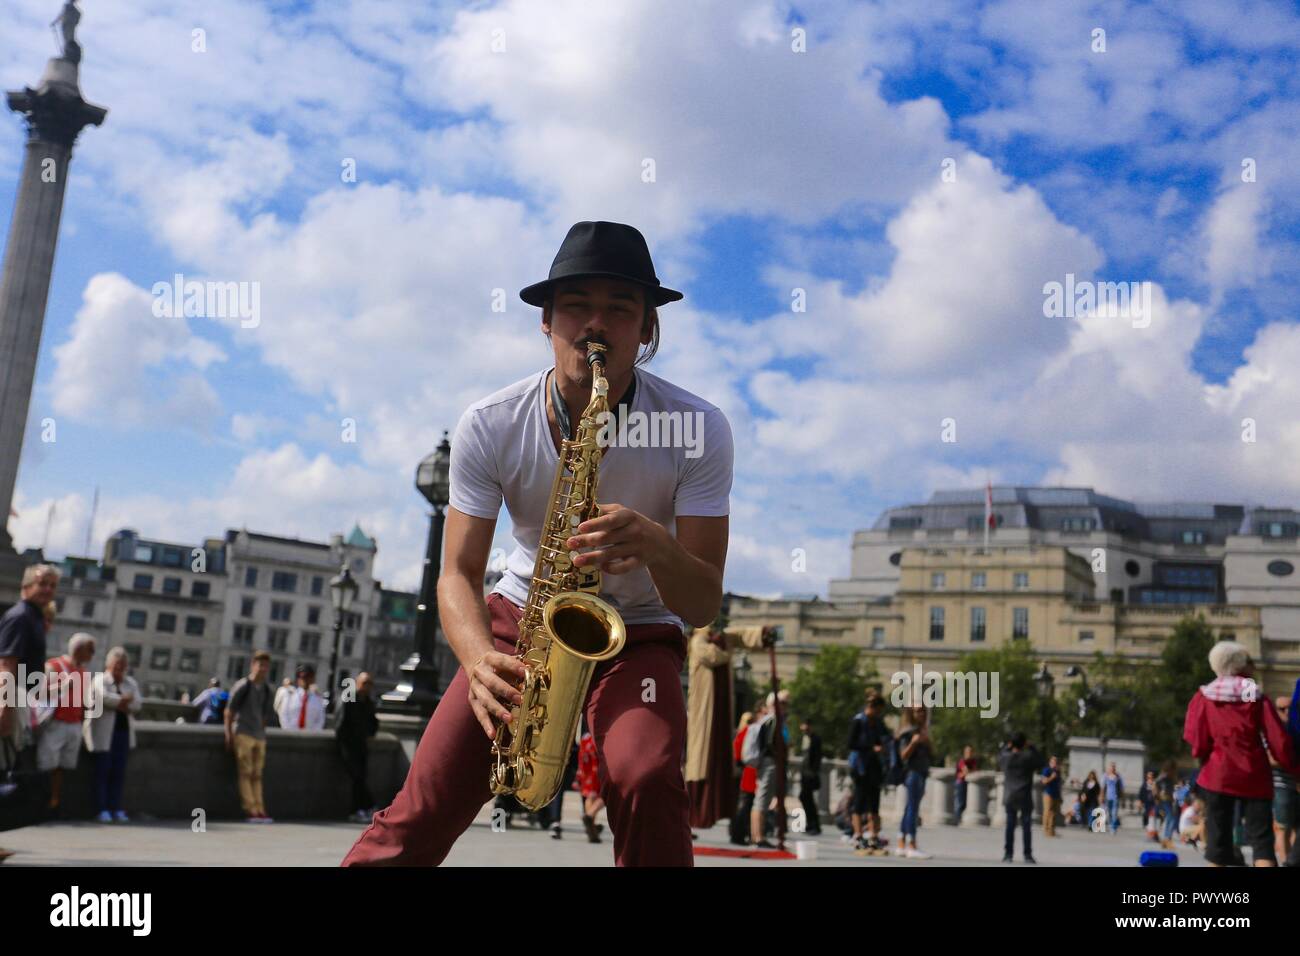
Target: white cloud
[{"x": 123, "y": 366}]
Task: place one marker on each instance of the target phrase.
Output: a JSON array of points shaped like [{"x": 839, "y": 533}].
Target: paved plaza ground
[{"x": 173, "y": 843}]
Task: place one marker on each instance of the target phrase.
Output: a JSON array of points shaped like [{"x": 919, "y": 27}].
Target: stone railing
[
  {"x": 176, "y": 769},
  {"x": 984, "y": 796}
]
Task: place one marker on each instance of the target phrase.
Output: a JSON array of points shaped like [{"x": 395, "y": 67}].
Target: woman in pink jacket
[{"x": 1225, "y": 722}]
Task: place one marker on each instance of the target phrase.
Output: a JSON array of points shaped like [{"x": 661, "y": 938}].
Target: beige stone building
[{"x": 953, "y": 601}]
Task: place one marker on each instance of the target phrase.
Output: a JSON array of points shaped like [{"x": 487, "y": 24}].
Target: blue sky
[{"x": 775, "y": 170}]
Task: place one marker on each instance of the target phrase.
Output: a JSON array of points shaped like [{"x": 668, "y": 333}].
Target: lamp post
[
  {"x": 418, "y": 690},
  {"x": 1046, "y": 687},
  {"x": 343, "y": 591}
]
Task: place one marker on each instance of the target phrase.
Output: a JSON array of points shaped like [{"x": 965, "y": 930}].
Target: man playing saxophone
[{"x": 659, "y": 541}]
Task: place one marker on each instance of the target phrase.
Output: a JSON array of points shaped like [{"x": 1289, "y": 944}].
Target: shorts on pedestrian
[
  {"x": 766, "y": 788},
  {"x": 1219, "y": 824},
  {"x": 866, "y": 795},
  {"x": 58, "y": 743},
  {"x": 1286, "y": 805}
]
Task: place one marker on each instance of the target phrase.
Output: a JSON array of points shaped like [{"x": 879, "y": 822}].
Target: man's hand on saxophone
[
  {"x": 625, "y": 540},
  {"x": 493, "y": 688}
]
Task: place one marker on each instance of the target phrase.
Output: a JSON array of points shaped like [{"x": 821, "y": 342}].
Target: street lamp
[
  {"x": 418, "y": 690},
  {"x": 343, "y": 591},
  {"x": 1046, "y": 686}
]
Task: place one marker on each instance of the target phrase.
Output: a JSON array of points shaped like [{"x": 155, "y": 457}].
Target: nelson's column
[{"x": 55, "y": 113}]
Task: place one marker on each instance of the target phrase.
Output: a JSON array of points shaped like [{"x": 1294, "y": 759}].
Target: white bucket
[{"x": 805, "y": 849}]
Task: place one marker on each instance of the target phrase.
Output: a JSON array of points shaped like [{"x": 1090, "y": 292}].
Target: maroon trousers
[{"x": 637, "y": 715}]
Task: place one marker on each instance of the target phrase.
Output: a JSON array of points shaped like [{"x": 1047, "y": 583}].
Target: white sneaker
[
  {"x": 914, "y": 854},
  {"x": 121, "y": 817},
  {"x": 104, "y": 817}
]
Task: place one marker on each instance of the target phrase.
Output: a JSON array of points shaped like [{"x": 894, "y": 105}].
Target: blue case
[{"x": 1158, "y": 858}]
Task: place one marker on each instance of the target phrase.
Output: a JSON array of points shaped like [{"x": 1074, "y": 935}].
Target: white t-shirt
[{"x": 502, "y": 450}]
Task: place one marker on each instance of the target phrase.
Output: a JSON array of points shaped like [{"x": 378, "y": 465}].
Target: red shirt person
[{"x": 1229, "y": 722}]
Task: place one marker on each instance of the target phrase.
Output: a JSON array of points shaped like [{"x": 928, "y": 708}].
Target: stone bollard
[
  {"x": 998, "y": 810},
  {"x": 939, "y": 794},
  {"x": 978, "y": 792},
  {"x": 1038, "y": 799}
]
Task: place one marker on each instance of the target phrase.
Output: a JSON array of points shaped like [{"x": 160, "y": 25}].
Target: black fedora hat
[{"x": 610, "y": 249}]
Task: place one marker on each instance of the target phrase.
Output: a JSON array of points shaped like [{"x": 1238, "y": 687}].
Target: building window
[
  {"x": 1280, "y": 529},
  {"x": 1020, "y": 623},
  {"x": 1280, "y": 569},
  {"x": 143, "y": 582},
  {"x": 1021, "y": 580},
  {"x": 250, "y": 577},
  {"x": 277, "y": 638},
  {"x": 284, "y": 581},
  {"x": 189, "y": 662},
  {"x": 310, "y": 643},
  {"x": 317, "y": 586},
  {"x": 347, "y": 646},
  {"x": 936, "y": 624},
  {"x": 1078, "y": 524},
  {"x": 247, "y": 606},
  {"x": 977, "y": 624},
  {"x": 136, "y": 620},
  {"x": 236, "y": 668},
  {"x": 1193, "y": 537},
  {"x": 281, "y": 610},
  {"x": 87, "y": 608},
  {"x": 166, "y": 623},
  {"x": 173, "y": 557},
  {"x": 353, "y": 621},
  {"x": 896, "y": 524},
  {"x": 936, "y": 580},
  {"x": 194, "y": 626},
  {"x": 171, "y": 585},
  {"x": 244, "y": 634},
  {"x": 313, "y": 614},
  {"x": 160, "y": 659},
  {"x": 132, "y": 654},
  {"x": 1085, "y": 635},
  {"x": 877, "y": 637},
  {"x": 977, "y": 581},
  {"x": 155, "y": 689},
  {"x": 200, "y": 589}
]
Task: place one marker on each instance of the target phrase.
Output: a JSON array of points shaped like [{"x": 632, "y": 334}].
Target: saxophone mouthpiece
[{"x": 596, "y": 352}]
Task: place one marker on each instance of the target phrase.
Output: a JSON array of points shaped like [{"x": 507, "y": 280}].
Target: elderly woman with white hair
[
  {"x": 1225, "y": 722},
  {"x": 110, "y": 736}
]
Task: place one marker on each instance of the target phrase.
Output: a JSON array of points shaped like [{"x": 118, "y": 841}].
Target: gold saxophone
[{"x": 566, "y": 629}]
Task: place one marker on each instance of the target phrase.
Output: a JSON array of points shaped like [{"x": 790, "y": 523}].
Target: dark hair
[
  {"x": 1018, "y": 740},
  {"x": 649, "y": 317},
  {"x": 262, "y": 656}
]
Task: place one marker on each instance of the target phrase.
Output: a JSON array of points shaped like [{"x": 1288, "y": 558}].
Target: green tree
[
  {"x": 1020, "y": 707},
  {"x": 829, "y": 693},
  {"x": 1148, "y": 702}
]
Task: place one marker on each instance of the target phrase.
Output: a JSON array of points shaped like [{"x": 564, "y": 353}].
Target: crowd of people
[
  {"x": 77, "y": 709},
  {"x": 1244, "y": 793}
]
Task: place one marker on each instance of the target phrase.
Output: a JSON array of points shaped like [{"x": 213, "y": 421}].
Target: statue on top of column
[{"x": 67, "y": 21}]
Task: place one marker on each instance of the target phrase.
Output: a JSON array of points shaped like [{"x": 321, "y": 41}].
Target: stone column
[
  {"x": 980, "y": 785},
  {"x": 55, "y": 113},
  {"x": 998, "y": 810},
  {"x": 939, "y": 795}
]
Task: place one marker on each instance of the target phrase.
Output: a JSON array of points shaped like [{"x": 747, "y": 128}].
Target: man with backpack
[
  {"x": 758, "y": 752},
  {"x": 869, "y": 739},
  {"x": 211, "y": 703}
]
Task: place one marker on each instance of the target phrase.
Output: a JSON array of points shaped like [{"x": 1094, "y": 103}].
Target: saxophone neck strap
[{"x": 562, "y": 417}]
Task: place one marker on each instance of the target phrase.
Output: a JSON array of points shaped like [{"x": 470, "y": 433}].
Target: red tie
[{"x": 302, "y": 714}]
